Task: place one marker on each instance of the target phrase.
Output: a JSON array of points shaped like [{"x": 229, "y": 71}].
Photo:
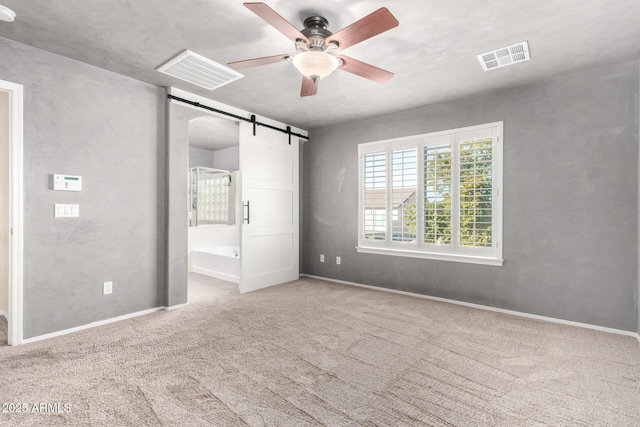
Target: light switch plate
[
  {"x": 66, "y": 211},
  {"x": 107, "y": 288}
]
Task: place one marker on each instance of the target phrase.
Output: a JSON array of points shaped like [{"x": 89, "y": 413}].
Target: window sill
[{"x": 431, "y": 255}]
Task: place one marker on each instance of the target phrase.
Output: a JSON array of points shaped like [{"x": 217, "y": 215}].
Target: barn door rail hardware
[{"x": 251, "y": 120}]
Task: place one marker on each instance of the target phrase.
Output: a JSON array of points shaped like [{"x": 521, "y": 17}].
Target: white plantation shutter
[
  {"x": 375, "y": 196},
  {"x": 476, "y": 192},
  {"x": 404, "y": 189},
  {"x": 438, "y": 190}
]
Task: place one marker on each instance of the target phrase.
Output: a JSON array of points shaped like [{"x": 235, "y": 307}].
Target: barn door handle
[{"x": 246, "y": 205}]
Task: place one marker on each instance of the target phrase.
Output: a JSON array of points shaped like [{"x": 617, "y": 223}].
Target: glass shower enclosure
[{"x": 211, "y": 197}]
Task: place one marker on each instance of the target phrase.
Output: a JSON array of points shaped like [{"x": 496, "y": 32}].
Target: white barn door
[{"x": 269, "y": 242}]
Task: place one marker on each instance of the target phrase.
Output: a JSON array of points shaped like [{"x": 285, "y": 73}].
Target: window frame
[{"x": 420, "y": 249}]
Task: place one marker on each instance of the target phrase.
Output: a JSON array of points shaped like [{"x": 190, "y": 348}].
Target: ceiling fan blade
[
  {"x": 371, "y": 25},
  {"x": 365, "y": 70},
  {"x": 309, "y": 87},
  {"x": 277, "y": 21},
  {"x": 256, "y": 62}
]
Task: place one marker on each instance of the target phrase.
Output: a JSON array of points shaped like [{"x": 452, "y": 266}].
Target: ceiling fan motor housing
[{"x": 315, "y": 29}]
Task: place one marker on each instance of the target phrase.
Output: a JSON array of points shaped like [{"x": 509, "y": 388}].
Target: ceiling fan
[{"x": 318, "y": 50}]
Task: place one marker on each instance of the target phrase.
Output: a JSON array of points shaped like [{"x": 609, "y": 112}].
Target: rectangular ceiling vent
[
  {"x": 504, "y": 56},
  {"x": 198, "y": 70}
]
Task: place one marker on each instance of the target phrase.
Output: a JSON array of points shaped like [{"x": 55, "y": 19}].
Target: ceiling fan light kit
[
  {"x": 318, "y": 50},
  {"x": 315, "y": 64},
  {"x": 7, "y": 14}
]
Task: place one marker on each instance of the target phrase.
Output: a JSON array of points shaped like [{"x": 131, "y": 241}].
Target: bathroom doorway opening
[{"x": 215, "y": 207}]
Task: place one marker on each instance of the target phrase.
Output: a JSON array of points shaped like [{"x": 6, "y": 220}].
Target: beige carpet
[{"x": 317, "y": 353}]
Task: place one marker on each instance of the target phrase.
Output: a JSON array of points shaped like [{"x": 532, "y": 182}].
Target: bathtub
[{"x": 222, "y": 262}]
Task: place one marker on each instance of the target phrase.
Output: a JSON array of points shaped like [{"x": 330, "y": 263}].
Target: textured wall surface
[
  {"x": 570, "y": 200},
  {"x": 200, "y": 157},
  {"x": 178, "y": 118},
  {"x": 228, "y": 158},
  {"x": 4, "y": 200},
  {"x": 74, "y": 124}
]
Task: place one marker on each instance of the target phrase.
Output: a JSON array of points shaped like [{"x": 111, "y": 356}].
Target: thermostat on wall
[{"x": 67, "y": 182}]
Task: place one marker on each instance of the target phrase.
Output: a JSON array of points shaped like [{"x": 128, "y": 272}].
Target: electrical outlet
[
  {"x": 321, "y": 258},
  {"x": 107, "y": 288},
  {"x": 338, "y": 260}
]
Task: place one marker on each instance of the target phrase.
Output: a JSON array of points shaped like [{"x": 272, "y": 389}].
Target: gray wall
[
  {"x": 74, "y": 125},
  {"x": 227, "y": 158},
  {"x": 570, "y": 200},
  {"x": 200, "y": 157},
  {"x": 176, "y": 270}
]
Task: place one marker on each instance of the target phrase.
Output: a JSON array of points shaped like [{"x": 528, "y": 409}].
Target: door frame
[{"x": 16, "y": 212}]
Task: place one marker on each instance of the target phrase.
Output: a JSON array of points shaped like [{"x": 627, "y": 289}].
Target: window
[{"x": 433, "y": 196}]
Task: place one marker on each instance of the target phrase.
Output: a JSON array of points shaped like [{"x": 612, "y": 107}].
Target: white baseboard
[
  {"x": 484, "y": 307},
  {"x": 175, "y": 307},
  {"x": 101, "y": 323},
  {"x": 218, "y": 275}
]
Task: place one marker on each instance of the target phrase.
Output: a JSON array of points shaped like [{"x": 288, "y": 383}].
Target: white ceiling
[{"x": 433, "y": 50}]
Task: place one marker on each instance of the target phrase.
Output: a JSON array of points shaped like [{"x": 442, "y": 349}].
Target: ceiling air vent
[
  {"x": 198, "y": 70},
  {"x": 504, "y": 56}
]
